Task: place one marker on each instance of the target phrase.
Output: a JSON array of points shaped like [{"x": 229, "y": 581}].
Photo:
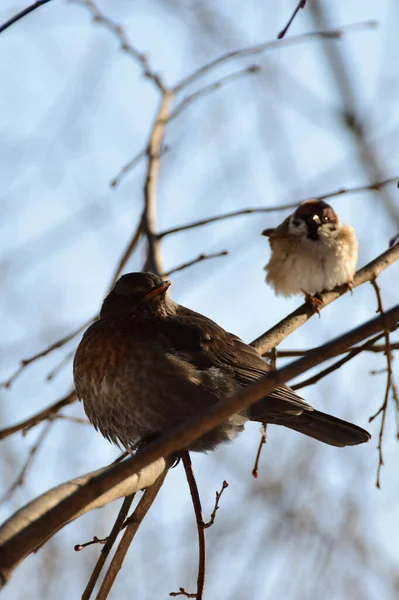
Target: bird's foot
[
  {"x": 315, "y": 302},
  {"x": 350, "y": 286}
]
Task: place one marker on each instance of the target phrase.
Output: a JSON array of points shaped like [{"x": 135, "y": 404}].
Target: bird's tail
[{"x": 325, "y": 428}]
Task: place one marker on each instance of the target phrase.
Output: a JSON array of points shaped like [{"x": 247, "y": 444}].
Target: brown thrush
[{"x": 148, "y": 364}]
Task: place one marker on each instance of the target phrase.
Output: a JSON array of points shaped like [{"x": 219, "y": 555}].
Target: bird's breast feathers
[{"x": 302, "y": 265}]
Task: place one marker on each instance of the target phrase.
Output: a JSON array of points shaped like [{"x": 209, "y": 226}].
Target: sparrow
[
  {"x": 148, "y": 364},
  {"x": 312, "y": 252}
]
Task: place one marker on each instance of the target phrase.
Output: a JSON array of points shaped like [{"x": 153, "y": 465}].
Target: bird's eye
[
  {"x": 326, "y": 219},
  {"x": 296, "y": 222}
]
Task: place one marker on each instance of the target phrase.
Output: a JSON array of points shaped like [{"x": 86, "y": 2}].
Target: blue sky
[{"x": 74, "y": 110}]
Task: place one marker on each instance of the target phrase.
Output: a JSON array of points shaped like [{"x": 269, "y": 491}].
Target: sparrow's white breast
[{"x": 314, "y": 266}]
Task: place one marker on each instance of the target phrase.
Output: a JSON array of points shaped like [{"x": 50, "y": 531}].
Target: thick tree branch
[
  {"x": 376, "y": 349},
  {"x": 34, "y": 524}
]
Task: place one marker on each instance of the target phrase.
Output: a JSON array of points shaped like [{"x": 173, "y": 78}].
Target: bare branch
[
  {"x": 129, "y": 166},
  {"x": 21, "y": 14},
  {"x": 58, "y": 368},
  {"x": 132, "y": 525},
  {"x": 199, "y": 518},
  {"x": 199, "y": 258},
  {"x": 154, "y": 261},
  {"x": 134, "y": 240},
  {"x": 126, "y": 46},
  {"x": 301, "y": 4},
  {"x": 70, "y": 418},
  {"x": 216, "y": 507},
  {"x": 258, "y": 49},
  {"x": 208, "y": 89},
  {"x": 182, "y": 592},
  {"x": 95, "y": 540},
  {"x": 279, "y": 332},
  {"x": 376, "y": 348},
  {"x": 120, "y": 519},
  {"x": 28, "y": 463},
  {"x": 47, "y": 413},
  {"x": 337, "y": 365},
  {"x": 376, "y": 186},
  {"x": 390, "y": 385},
  {"x": 38, "y": 521},
  {"x": 55, "y": 346},
  {"x": 262, "y": 442}
]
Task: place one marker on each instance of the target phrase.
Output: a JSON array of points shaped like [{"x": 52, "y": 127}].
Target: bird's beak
[
  {"x": 316, "y": 219},
  {"x": 159, "y": 290},
  {"x": 267, "y": 232}
]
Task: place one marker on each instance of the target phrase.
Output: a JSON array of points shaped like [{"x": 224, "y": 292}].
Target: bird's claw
[{"x": 315, "y": 302}]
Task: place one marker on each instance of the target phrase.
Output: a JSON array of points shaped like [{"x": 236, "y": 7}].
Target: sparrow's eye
[
  {"x": 296, "y": 222},
  {"x": 326, "y": 219}
]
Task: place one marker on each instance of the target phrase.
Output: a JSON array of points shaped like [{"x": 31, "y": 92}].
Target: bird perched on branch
[
  {"x": 148, "y": 364},
  {"x": 312, "y": 252}
]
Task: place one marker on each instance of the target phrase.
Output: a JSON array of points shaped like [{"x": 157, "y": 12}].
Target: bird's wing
[{"x": 205, "y": 344}]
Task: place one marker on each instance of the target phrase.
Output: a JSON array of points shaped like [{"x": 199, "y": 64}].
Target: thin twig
[
  {"x": 47, "y": 413},
  {"x": 216, "y": 507},
  {"x": 199, "y": 518},
  {"x": 259, "y": 48},
  {"x": 182, "y": 592},
  {"x": 132, "y": 163},
  {"x": 390, "y": 385},
  {"x": 190, "y": 263},
  {"x": 128, "y": 167},
  {"x": 19, "y": 481},
  {"x": 132, "y": 525},
  {"x": 262, "y": 442},
  {"x": 70, "y": 418},
  {"x": 55, "y": 346},
  {"x": 95, "y": 540},
  {"x": 126, "y": 46},
  {"x": 22, "y": 14},
  {"x": 211, "y": 87},
  {"x": 278, "y": 208},
  {"x": 58, "y": 368},
  {"x": 301, "y": 4},
  {"x": 131, "y": 246},
  {"x": 110, "y": 540},
  {"x": 337, "y": 365}
]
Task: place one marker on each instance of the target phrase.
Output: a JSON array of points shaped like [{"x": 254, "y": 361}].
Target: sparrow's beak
[
  {"x": 268, "y": 232},
  {"x": 158, "y": 290},
  {"x": 316, "y": 219}
]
